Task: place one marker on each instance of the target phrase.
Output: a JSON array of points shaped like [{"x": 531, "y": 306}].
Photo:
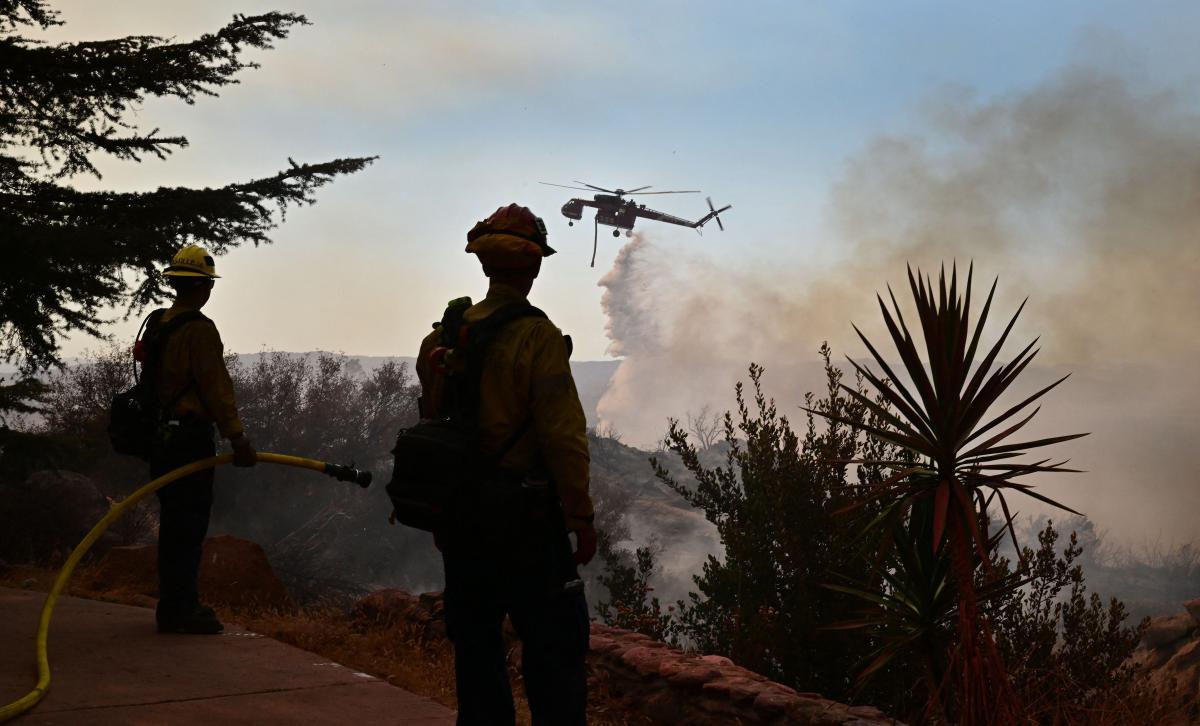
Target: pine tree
[{"x": 69, "y": 254}]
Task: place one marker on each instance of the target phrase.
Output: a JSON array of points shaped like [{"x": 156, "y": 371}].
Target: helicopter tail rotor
[{"x": 713, "y": 213}]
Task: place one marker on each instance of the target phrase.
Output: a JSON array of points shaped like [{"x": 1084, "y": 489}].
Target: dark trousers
[
  {"x": 534, "y": 582},
  {"x": 184, "y": 508}
]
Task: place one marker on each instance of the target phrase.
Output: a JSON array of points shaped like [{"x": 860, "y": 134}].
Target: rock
[
  {"x": 739, "y": 690},
  {"x": 717, "y": 660},
  {"x": 48, "y": 514},
  {"x": 773, "y": 702},
  {"x": 601, "y": 643},
  {"x": 644, "y": 660},
  {"x": 1170, "y": 651},
  {"x": 867, "y": 712},
  {"x": 1193, "y": 609},
  {"x": 656, "y": 682},
  {"x": 693, "y": 676},
  {"x": 1181, "y": 672},
  {"x": 812, "y": 711},
  {"x": 234, "y": 573},
  {"x": 132, "y": 569},
  {"x": 1167, "y": 629}
]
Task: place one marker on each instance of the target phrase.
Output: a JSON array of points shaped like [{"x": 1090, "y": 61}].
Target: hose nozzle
[{"x": 342, "y": 472}]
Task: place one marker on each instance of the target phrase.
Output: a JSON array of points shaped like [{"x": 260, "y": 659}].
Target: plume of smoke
[
  {"x": 1083, "y": 193},
  {"x": 687, "y": 328}
]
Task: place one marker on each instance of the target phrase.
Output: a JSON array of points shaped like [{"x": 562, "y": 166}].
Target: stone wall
[{"x": 650, "y": 678}]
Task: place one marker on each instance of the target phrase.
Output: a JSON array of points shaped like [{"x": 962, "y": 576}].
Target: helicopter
[{"x": 614, "y": 210}]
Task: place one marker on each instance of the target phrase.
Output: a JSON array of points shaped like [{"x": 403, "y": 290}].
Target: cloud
[{"x": 411, "y": 60}]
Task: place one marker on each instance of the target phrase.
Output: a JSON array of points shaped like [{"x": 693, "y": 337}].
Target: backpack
[
  {"x": 136, "y": 415},
  {"x": 440, "y": 475}
]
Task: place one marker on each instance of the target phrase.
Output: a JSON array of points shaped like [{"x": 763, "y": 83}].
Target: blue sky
[
  {"x": 1055, "y": 144},
  {"x": 468, "y": 105}
]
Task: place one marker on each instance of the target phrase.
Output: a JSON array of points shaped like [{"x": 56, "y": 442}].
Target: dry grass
[
  {"x": 400, "y": 655},
  {"x": 405, "y": 657},
  {"x": 1144, "y": 705},
  {"x": 396, "y": 654}
]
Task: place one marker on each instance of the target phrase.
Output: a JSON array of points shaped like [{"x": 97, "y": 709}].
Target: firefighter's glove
[
  {"x": 244, "y": 454},
  {"x": 585, "y": 544}
]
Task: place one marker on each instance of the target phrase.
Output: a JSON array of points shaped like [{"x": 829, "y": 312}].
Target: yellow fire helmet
[{"x": 192, "y": 261}]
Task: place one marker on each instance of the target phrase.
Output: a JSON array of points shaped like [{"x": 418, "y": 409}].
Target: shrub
[
  {"x": 775, "y": 502},
  {"x": 1067, "y": 653}
]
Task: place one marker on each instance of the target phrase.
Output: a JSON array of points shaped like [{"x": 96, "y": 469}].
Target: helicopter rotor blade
[
  {"x": 638, "y": 189},
  {"x": 564, "y": 186},
  {"x": 593, "y": 186},
  {"x": 683, "y": 191}
]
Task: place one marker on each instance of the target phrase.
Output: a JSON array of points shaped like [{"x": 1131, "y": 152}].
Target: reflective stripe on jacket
[{"x": 526, "y": 374}]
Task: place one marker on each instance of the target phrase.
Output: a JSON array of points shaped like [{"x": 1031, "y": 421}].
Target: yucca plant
[
  {"x": 913, "y": 618},
  {"x": 956, "y": 466}
]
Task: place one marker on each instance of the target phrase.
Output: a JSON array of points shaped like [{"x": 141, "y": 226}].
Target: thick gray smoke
[{"x": 1083, "y": 194}]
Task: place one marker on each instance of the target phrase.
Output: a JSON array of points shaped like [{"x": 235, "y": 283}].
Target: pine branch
[
  {"x": 69, "y": 100},
  {"x": 22, "y": 396},
  {"x": 15, "y": 13},
  {"x": 77, "y": 252}
]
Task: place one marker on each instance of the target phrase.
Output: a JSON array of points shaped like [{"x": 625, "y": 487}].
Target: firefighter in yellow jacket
[
  {"x": 530, "y": 415},
  {"x": 186, "y": 361}
]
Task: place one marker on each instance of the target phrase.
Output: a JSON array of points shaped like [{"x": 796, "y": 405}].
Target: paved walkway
[{"x": 108, "y": 666}]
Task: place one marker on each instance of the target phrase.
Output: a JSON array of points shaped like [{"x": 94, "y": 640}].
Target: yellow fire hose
[{"x": 31, "y": 699}]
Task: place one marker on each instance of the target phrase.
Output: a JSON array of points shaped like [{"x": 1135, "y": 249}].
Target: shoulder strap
[
  {"x": 155, "y": 340},
  {"x": 480, "y": 335},
  {"x": 150, "y": 322},
  {"x": 158, "y": 332},
  {"x": 473, "y": 339}
]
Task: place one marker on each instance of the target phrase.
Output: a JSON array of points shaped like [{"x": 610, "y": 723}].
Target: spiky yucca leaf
[{"x": 940, "y": 415}]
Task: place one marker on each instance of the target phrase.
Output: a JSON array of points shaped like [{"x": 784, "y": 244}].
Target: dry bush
[
  {"x": 139, "y": 524},
  {"x": 1068, "y": 652},
  {"x": 398, "y": 654}
]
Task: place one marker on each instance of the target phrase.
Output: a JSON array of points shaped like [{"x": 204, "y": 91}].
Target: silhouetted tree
[
  {"x": 68, "y": 253},
  {"x": 706, "y": 426}
]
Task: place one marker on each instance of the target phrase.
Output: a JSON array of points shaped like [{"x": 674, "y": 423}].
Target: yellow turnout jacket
[
  {"x": 194, "y": 359},
  {"x": 526, "y": 376}
]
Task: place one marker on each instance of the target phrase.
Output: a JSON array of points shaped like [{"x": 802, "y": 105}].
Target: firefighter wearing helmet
[
  {"x": 531, "y": 422},
  {"x": 182, "y": 352}
]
